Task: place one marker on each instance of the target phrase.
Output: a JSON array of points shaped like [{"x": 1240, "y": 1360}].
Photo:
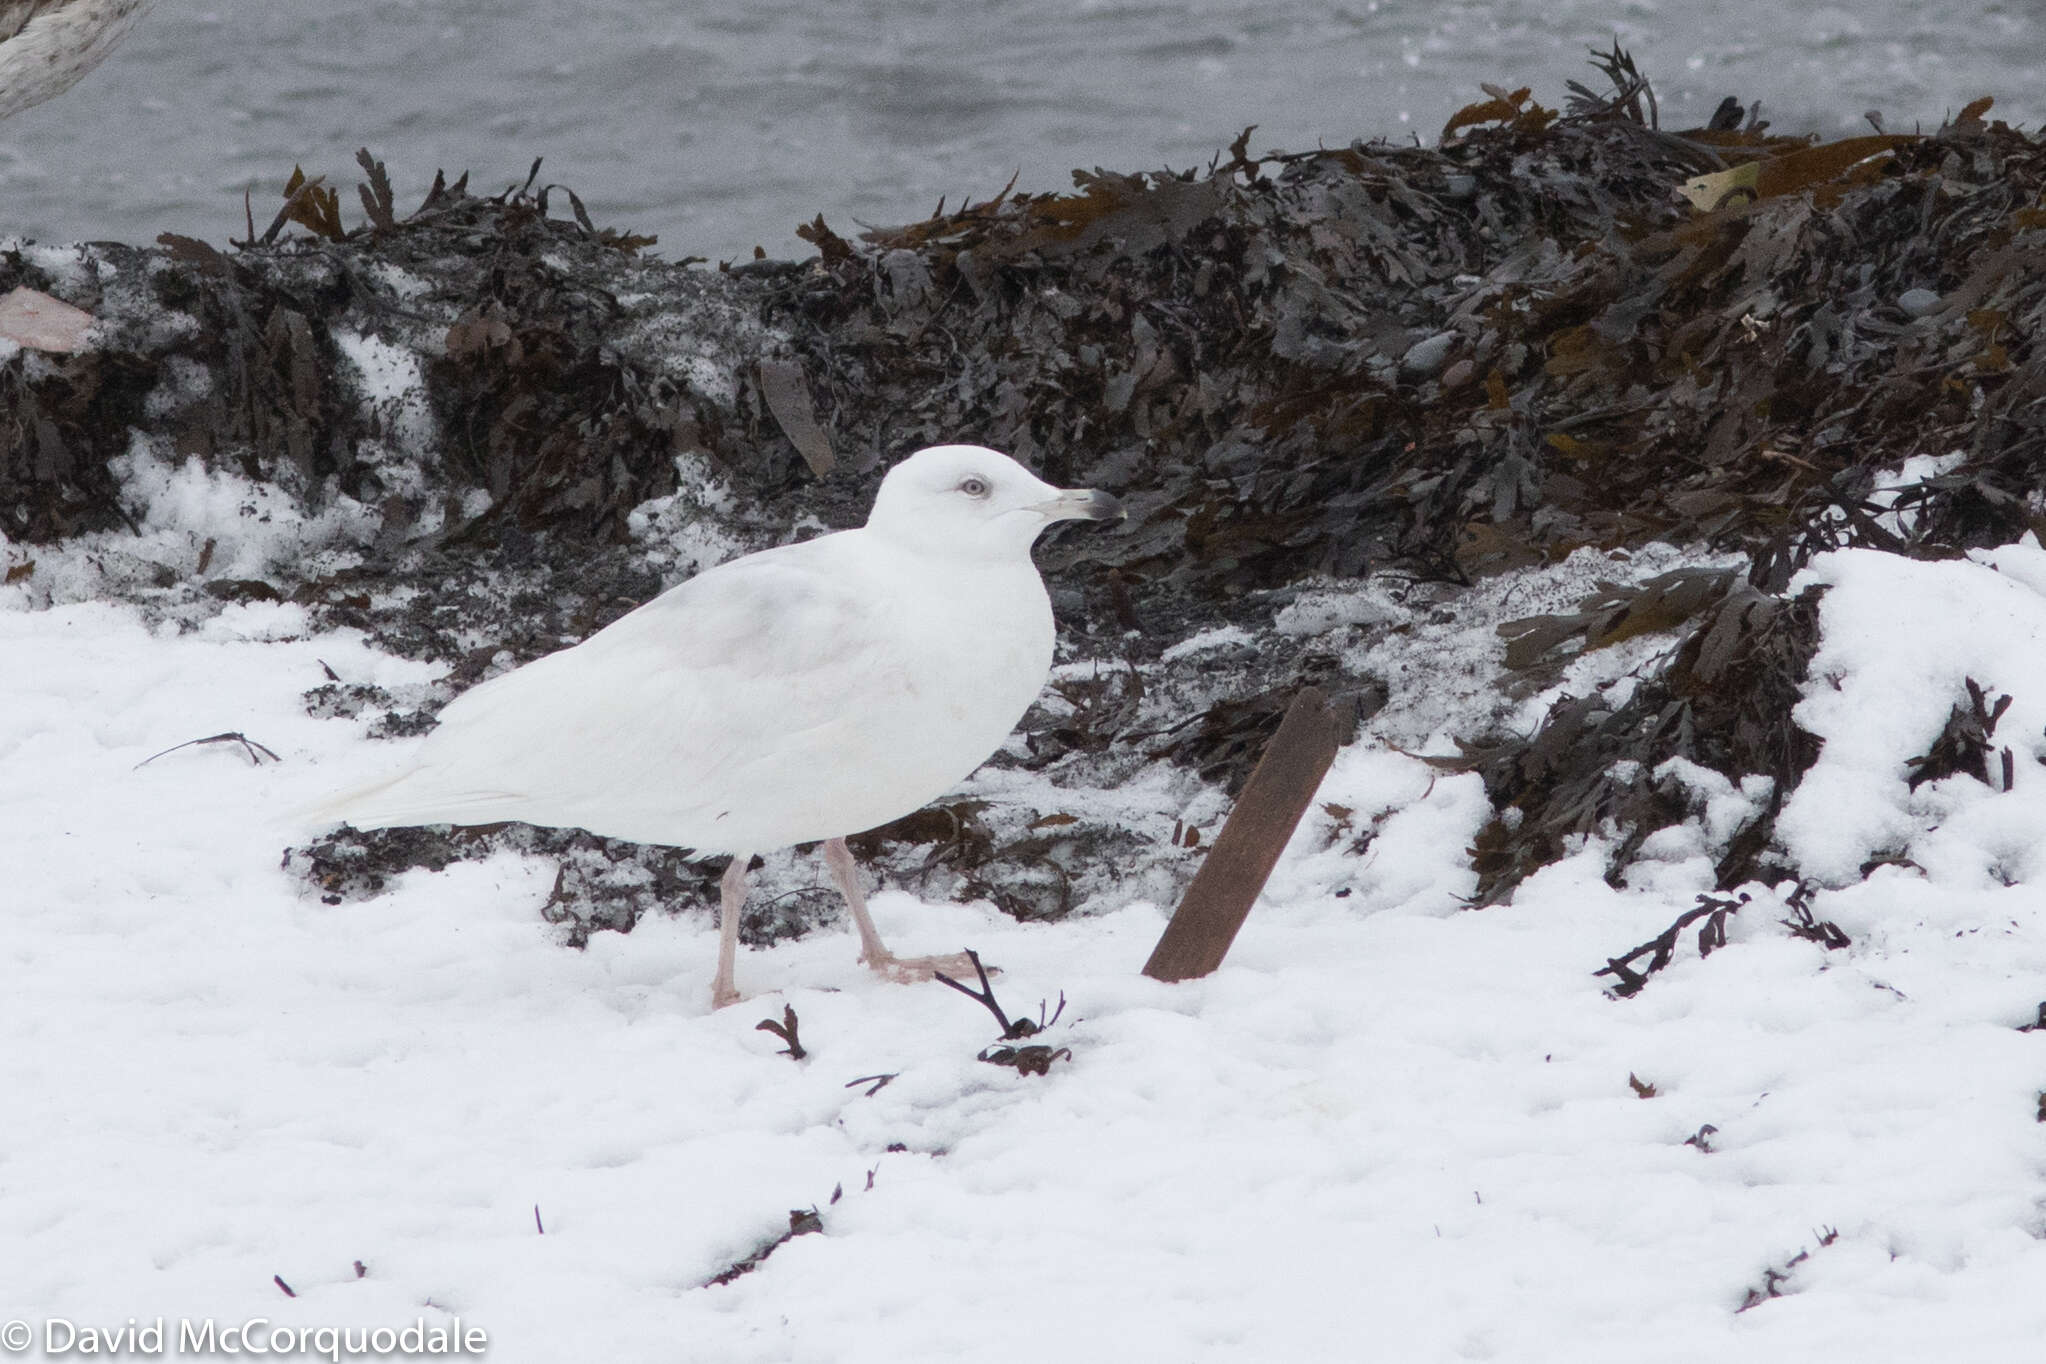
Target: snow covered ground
[{"x": 1390, "y": 1128}]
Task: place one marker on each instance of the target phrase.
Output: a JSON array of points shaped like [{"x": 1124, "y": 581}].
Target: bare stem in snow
[{"x": 257, "y": 752}]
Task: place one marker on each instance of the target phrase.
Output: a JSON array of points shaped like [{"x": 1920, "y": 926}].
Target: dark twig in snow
[
  {"x": 786, "y": 1031},
  {"x": 880, "y": 1082},
  {"x": 1035, "y": 1059},
  {"x": 1824, "y": 932},
  {"x": 1773, "y": 1278},
  {"x": 986, "y": 993},
  {"x": 278, "y": 1279},
  {"x": 1022, "y": 1027},
  {"x": 802, "y": 1221},
  {"x": 257, "y": 752},
  {"x": 1713, "y": 909}
]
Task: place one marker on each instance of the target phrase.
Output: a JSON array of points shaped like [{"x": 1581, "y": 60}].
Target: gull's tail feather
[
  {"x": 357, "y": 805},
  {"x": 411, "y": 797}
]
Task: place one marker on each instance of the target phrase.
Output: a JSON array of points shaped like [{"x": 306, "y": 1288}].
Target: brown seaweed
[{"x": 1442, "y": 361}]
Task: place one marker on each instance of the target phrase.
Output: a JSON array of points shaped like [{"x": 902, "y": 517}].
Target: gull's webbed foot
[{"x": 910, "y": 970}]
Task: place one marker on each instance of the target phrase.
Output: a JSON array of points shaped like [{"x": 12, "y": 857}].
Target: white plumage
[
  {"x": 46, "y": 45},
  {"x": 802, "y": 693}
]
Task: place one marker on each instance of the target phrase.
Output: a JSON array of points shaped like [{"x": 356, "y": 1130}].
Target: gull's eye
[{"x": 973, "y": 486}]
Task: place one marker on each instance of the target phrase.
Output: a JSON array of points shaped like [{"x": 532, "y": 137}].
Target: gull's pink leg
[
  {"x": 873, "y": 951},
  {"x": 731, "y": 899}
]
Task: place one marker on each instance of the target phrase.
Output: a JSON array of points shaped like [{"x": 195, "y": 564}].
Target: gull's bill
[{"x": 1081, "y": 504}]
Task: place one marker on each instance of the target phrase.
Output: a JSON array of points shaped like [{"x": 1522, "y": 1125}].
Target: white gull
[
  {"x": 799, "y": 694},
  {"x": 46, "y": 45}
]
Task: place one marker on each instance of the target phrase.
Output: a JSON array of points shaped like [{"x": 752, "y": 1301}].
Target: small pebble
[
  {"x": 1425, "y": 357},
  {"x": 1918, "y": 302}
]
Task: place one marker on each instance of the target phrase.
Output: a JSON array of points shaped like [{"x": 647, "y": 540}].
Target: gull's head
[{"x": 971, "y": 502}]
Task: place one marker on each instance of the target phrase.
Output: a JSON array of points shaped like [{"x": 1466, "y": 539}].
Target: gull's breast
[{"x": 965, "y": 664}]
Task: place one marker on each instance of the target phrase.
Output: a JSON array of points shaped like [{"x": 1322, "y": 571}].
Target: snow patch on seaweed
[{"x": 193, "y": 525}]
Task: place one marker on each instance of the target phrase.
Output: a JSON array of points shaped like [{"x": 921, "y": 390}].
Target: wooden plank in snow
[{"x": 1253, "y": 836}]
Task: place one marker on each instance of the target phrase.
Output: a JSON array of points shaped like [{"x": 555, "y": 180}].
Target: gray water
[{"x": 721, "y": 126}]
